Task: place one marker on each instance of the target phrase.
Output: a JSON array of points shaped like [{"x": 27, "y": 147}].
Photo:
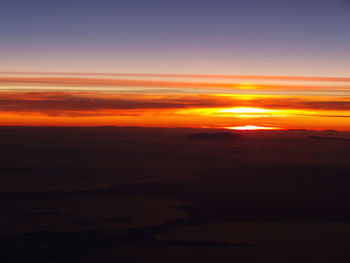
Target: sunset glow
[
  {"x": 252, "y": 128},
  {"x": 164, "y": 101},
  {"x": 244, "y": 110}
]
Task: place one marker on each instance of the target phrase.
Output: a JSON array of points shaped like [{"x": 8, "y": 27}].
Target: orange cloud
[
  {"x": 172, "y": 100},
  {"x": 171, "y": 86},
  {"x": 63, "y": 102}
]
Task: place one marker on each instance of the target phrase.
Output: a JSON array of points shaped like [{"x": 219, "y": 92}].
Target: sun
[
  {"x": 244, "y": 110},
  {"x": 252, "y": 128}
]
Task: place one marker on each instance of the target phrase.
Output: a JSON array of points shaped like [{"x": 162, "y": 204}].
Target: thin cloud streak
[
  {"x": 60, "y": 102},
  {"x": 71, "y": 83},
  {"x": 212, "y": 76},
  {"x": 173, "y": 100}
]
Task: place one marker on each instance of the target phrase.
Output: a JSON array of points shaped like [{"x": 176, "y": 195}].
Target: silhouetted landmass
[
  {"x": 213, "y": 136},
  {"x": 45, "y": 170},
  {"x": 45, "y": 213},
  {"x": 43, "y": 208},
  {"x": 90, "y": 194},
  {"x": 82, "y": 222},
  {"x": 50, "y": 246},
  {"x": 328, "y": 138},
  {"x": 119, "y": 220},
  {"x": 298, "y": 130}
]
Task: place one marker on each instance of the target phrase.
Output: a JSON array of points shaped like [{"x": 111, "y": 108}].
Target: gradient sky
[
  {"x": 187, "y": 63},
  {"x": 270, "y": 37}
]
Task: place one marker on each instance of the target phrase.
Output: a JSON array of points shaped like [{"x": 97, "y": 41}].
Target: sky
[
  {"x": 270, "y": 37},
  {"x": 278, "y": 64}
]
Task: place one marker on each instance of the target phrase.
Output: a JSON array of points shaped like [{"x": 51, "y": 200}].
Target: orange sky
[{"x": 174, "y": 100}]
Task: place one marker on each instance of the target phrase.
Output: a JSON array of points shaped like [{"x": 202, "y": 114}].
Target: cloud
[
  {"x": 305, "y": 103},
  {"x": 198, "y": 86},
  {"x": 86, "y": 104},
  {"x": 95, "y": 103},
  {"x": 200, "y": 76}
]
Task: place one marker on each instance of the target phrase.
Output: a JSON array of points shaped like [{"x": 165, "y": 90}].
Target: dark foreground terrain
[{"x": 112, "y": 194}]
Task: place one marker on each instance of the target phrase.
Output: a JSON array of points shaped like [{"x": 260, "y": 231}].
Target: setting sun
[
  {"x": 244, "y": 110},
  {"x": 252, "y": 128}
]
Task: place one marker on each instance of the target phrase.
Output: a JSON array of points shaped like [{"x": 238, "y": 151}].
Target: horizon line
[{"x": 169, "y": 127}]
